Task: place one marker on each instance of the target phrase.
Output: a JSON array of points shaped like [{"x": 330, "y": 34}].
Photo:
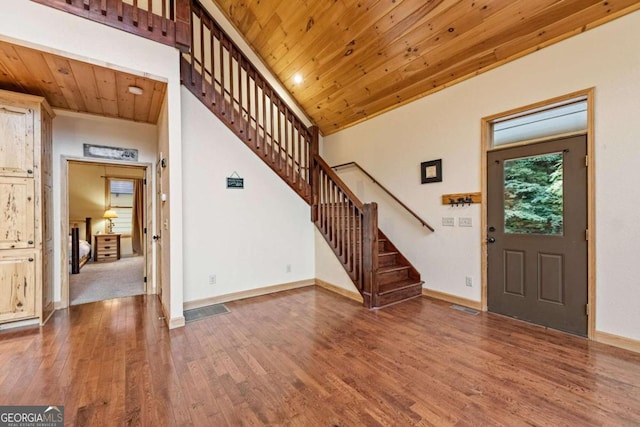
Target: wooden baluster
[
  {"x": 311, "y": 151},
  {"x": 135, "y": 18},
  {"x": 150, "y": 15},
  {"x": 287, "y": 148},
  {"x": 271, "y": 120},
  {"x": 249, "y": 112},
  {"x": 223, "y": 104},
  {"x": 325, "y": 204},
  {"x": 103, "y": 7},
  {"x": 360, "y": 253},
  {"x": 192, "y": 56},
  {"x": 240, "y": 97},
  {"x": 231, "y": 89},
  {"x": 163, "y": 21},
  {"x": 87, "y": 4},
  {"x": 203, "y": 68},
  {"x": 279, "y": 134},
  {"x": 351, "y": 244},
  {"x": 257, "y": 108},
  {"x": 120, "y": 11},
  {"x": 212, "y": 63},
  {"x": 334, "y": 213},
  {"x": 340, "y": 226},
  {"x": 264, "y": 117},
  {"x": 296, "y": 160}
]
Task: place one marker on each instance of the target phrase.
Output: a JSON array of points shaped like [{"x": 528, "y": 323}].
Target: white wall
[
  {"x": 327, "y": 266},
  {"x": 41, "y": 27},
  {"x": 447, "y": 125},
  {"x": 70, "y": 132},
  {"x": 245, "y": 237}
]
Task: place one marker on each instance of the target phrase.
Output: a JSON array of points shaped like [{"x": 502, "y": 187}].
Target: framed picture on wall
[{"x": 431, "y": 171}]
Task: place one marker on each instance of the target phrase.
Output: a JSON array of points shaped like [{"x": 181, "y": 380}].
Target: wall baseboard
[
  {"x": 176, "y": 322},
  {"x": 338, "y": 290},
  {"x": 59, "y": 305},
  {"x": 476, "y": 305},
  {"x": 219, "y": 299},
  {"x": 617, "y": 341}
]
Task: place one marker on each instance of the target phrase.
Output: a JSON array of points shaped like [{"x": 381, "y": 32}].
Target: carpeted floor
[{"x": 101, "y": 281}]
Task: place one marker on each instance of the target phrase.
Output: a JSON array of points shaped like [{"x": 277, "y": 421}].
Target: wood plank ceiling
[
  {"x": 78, "y": 86},
  {"x": 360, "y": 58}
]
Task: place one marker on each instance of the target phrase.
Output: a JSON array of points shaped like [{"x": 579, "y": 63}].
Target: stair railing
[
  {"x": 349, "y": 226},
  {"x": 375, "y": 181},
  {"x": 216, "y": 71},
  {"x": 164, "y": 21}
]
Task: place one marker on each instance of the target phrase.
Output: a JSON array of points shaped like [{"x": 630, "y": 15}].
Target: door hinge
[
  {"x": 145, "y": 181},
  {"x": 586, "y": 161},
  {"x": 586, "y": 234},
  {"x": 144, "y": 230},
  {"x": 586, "y": 309},
  {"x": 145, "y": 279}
]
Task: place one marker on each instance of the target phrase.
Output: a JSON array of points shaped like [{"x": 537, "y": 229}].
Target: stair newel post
[
  {"x": 370, "y": 254},
  {"x": 314, "y": 172},
  {"x": 183, "y": 25}
]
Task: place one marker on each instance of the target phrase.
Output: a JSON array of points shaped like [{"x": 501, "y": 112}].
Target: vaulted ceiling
[{"x": 359, "y": 58}]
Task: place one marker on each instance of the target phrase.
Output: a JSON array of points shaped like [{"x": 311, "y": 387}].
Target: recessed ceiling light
[
  {"x": 135, "y": 90},
  {"x": 297, "y": 79}
]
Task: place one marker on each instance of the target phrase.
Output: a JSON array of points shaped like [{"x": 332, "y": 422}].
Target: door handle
[
  {"x": 491, "y": 240},
  {"x": 156, "y": 237}
]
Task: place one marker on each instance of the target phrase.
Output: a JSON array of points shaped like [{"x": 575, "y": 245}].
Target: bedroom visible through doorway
[{"x": 107, "y": 244}]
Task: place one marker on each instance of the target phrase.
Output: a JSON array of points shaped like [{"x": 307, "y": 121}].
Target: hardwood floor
[{"x": 311, "y": 358}]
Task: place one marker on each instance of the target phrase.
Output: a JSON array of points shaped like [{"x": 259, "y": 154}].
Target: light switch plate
[
  {"x": 464, "y": 222},
  {"x": 448, "y": 221}
]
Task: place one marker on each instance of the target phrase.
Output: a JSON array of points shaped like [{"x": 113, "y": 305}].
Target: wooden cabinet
[
  {"x": 17, "y": 286},
  {"x": 26, "y": 235},
  {"x": 106, "y": 247}
]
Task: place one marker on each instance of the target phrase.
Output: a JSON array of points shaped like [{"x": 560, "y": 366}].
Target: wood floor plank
[{"x": 310, "y": 357}]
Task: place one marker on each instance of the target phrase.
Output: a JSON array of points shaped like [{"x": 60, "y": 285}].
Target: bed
[{"x": 79, "y": 246}]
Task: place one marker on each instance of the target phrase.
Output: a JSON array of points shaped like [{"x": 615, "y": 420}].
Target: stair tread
[
  {"x": 394, "y": 267},
  {"x": 388, "y": 253},
  {"x": 399, "y": 285}
]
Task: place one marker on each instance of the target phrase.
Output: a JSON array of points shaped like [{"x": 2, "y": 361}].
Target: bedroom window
[{"x": 120, "y": 199}]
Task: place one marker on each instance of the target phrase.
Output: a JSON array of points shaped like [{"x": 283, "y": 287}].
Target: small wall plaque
[
  {"x": 115, "y": 153},
  {"x": 235, "y": 182}
]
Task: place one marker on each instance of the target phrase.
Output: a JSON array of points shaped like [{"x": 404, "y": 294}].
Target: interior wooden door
[
  {"x": 536, "y": 237},
  {"x": 148, "y": 236},
  {"x": 159, "y": 222}
]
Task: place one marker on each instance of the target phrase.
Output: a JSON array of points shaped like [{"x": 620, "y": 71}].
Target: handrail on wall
[{"x": 375, "y": 181}]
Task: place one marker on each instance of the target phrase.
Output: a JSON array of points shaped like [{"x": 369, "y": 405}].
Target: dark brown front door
[{"x": 536, "y": 236}]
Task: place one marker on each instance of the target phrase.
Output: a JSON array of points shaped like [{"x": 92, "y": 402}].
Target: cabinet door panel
[
  {"x": 17, "y": 287},
  {"x": 17, "y": 213},
  {"x": 16, "y": 141}
]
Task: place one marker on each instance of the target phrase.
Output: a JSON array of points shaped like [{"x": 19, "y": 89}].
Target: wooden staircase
[
  {"x": 226, "y": 82},
  {"x": 215, "y": 70}
]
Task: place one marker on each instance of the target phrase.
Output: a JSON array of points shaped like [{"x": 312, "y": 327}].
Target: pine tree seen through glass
[{"x": 533, "y": 195}]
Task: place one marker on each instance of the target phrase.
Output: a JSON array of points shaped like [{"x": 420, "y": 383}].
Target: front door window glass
[{"x": 533, "y": 201}]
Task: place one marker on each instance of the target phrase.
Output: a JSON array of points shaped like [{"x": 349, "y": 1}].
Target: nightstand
[{"x": 106, "y": 247}]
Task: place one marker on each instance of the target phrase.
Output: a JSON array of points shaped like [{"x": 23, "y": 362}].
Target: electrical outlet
[
  {"x": 464, "y": 222},
  {"x": 288, "y": 268},
  {"x": 447, "y": 221},
  {"x": 468, "y": 281},
  {"x": 212, "y": 279}
]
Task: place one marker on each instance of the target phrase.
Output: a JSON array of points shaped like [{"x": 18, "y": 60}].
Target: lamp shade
[{"x": 110, "y": 214}]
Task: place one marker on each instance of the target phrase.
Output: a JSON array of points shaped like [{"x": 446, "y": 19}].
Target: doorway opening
[
  {"x": 107, "y": 217},
  {"x": 538, "y": 214}
]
